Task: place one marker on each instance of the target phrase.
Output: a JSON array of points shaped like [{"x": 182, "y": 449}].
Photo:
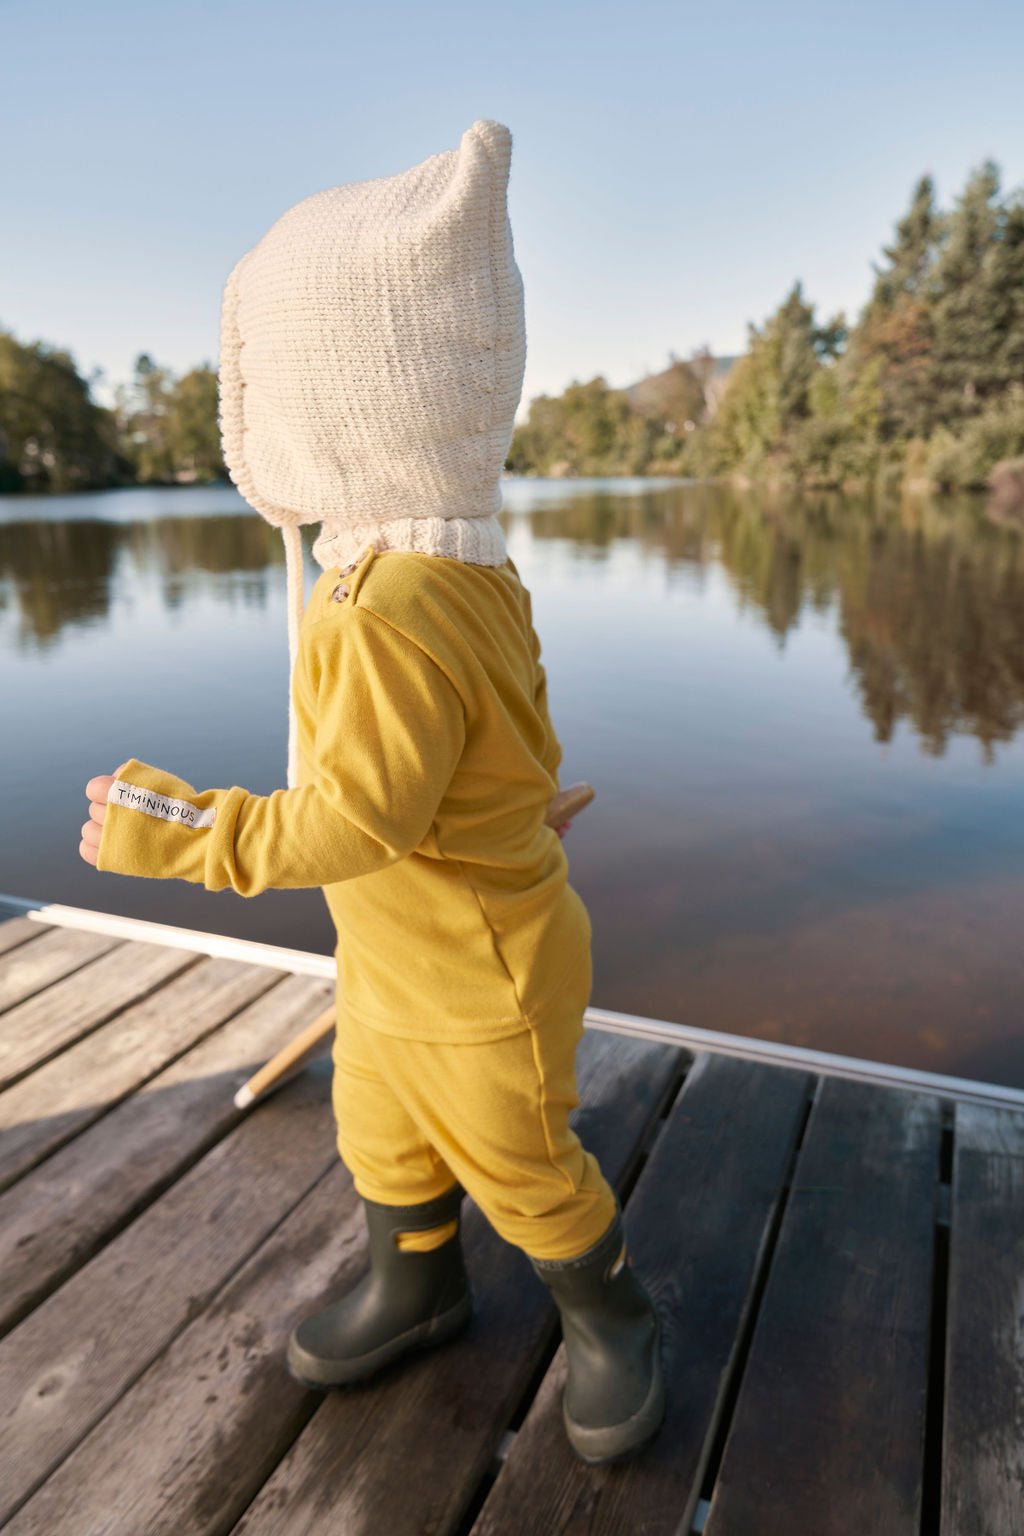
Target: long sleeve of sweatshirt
[{"x": 389, "y": 731}]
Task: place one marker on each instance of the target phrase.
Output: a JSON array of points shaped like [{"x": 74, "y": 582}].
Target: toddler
[{"x": 372, "y": 356}]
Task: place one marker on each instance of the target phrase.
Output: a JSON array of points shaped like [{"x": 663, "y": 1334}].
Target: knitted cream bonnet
[{"x": 373, "y": 345}]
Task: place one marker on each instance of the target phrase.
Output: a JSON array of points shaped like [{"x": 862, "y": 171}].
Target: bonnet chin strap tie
[{"x": 294, "y": 575}]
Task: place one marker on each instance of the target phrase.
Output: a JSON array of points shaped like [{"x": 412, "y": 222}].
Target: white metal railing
[
  {"x": 771, "y": 1052},
  {"x": 965, "y": 1090},
  {"x": 301, "y": 961}
]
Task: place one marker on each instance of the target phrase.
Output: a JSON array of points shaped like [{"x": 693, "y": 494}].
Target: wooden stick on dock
[{"x": 294, "y": 1056}]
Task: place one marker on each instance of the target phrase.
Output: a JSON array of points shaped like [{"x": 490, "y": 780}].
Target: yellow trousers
[{"x": 414, "y": 1116}]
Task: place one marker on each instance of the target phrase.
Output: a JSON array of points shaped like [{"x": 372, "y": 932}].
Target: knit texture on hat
[{"x": 373, "y": 346}]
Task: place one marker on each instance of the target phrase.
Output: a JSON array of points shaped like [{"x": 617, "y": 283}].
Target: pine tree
[
  {"x": 769, "y": 390},
  {"x": 894, "y": 334},
  {"x": 1005, "y": 299},
  {"x": 969, "y": 310}
]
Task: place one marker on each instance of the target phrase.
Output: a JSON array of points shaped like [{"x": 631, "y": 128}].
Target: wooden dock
[{"x": 838, "y": 1264}]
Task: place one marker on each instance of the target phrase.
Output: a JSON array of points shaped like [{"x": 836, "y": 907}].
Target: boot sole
[
  {"x": 614, "y": 1442},
  {"x": 323, "y": 1374}
]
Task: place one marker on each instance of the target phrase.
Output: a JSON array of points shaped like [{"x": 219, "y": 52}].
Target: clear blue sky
[{"x": 675, "y": 166}]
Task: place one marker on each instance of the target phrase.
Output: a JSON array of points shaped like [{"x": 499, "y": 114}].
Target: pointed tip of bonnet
[{"x": 495, "y": 139}]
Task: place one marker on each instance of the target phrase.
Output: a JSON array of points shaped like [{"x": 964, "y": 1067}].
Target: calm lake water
[{"x": 804, "y": 720}]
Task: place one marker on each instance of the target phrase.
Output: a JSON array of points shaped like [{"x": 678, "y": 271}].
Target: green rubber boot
[
  {"x": 614, "y": 1399},
  {"x": 407, "y": 1300}
]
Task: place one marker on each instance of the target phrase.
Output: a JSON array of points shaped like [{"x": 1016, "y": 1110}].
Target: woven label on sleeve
[{"x": 164, "y": 806}]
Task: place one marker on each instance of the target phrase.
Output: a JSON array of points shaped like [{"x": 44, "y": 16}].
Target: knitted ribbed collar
[{"x": 477, "y": 540}]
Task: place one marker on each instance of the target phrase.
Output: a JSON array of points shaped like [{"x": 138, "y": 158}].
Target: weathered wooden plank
[
  {"x": 60, "y": 1098},
  {"x": 828, "y": 1434},
  {"x": 407, "y": 1455},
  {"x": 201, "y": 1430},
  {"x": 983, "y": 1432},
  {"x": 57, "y": 1216},
  {"x": 697, "y": 1225},
  {"x": 15, "y": 931},
  {"x": 44, "y": 1024},
  {"x": 192, "y": 1442},
  {"x": 29, "y": 968},
  {"x": 74, "y": 1357}
]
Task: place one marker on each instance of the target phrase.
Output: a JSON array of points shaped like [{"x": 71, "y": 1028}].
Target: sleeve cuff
[{"x": 156, "y": 824}]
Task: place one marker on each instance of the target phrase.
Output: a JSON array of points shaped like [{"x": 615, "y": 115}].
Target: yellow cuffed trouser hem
[{"x": 414, "y": 1116}]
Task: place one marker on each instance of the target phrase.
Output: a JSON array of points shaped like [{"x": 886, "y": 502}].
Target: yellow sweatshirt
[{"x": 427, "y": 761}]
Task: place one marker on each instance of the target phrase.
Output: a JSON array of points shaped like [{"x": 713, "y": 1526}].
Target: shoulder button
[{"x": 340, "y": 592}]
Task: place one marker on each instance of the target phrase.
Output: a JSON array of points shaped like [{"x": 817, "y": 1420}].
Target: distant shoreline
[{"x": 1003, "y": 495}]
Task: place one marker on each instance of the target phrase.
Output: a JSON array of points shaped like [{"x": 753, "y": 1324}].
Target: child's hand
[
  {"x": 563, "y": 829},
  {"x": 97, "y": 790}
]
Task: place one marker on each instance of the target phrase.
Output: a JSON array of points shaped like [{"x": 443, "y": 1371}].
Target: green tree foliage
[
  {"x": 142, "y": 418},
  {"x": 673, "y": 402},
  {"x": 895, "y": 334},
  {"x": 53, "y": 437},
  {"x": 769, "y": 395},
  {"x": 168, "y": 426},
  {"x": 926, "y": 386},
  {"x": 994, "y": 436},
  {"x": 676, "y": 396},
  {"x": 590, "y": 429},
  {"x": 968, "y": 311},
  {"x": 193, "y": 427}
]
